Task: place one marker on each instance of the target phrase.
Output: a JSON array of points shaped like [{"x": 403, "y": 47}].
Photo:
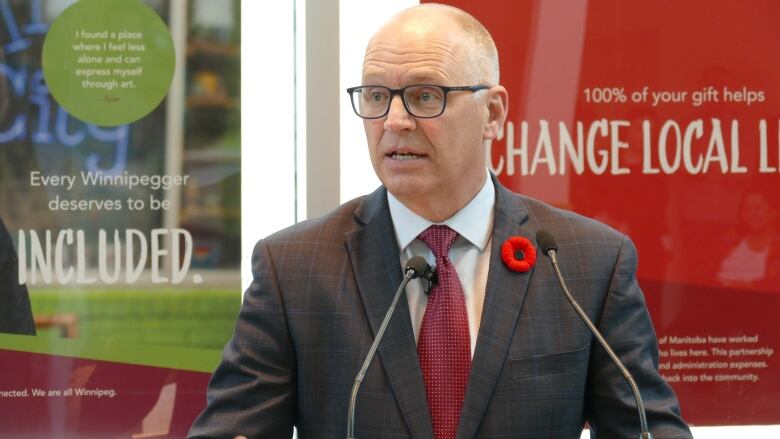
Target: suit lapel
[
  {"x": 504, "y": 296},
  {"x": 373, "y": 251}
]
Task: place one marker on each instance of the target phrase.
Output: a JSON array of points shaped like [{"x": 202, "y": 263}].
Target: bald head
[{"x": 478, "y": 49}]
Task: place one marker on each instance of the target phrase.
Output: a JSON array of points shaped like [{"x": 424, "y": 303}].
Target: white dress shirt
[{"x": 470, "y": 254}]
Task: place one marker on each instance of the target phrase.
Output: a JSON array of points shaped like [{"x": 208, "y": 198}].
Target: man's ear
[{"x": 497, "y": 107}]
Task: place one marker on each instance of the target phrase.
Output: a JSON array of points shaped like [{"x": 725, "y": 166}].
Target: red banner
[
  {"x": 53, "y": 396},
  {"x": 662, "y": 119}
]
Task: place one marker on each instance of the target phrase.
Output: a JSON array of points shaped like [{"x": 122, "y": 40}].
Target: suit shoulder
[
  {"x": 571, "y": 227},
  {"x": 327, "y": 228},
  {"x": 586, "y": 247}
]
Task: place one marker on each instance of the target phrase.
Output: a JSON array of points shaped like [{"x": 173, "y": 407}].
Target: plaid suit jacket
[{"x": 321, "y": 289}]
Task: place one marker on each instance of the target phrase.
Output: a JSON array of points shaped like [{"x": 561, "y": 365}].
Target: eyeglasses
[{"x": 423, "y": 101}]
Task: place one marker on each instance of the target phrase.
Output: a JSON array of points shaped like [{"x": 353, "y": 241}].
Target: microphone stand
[
  {"x": 551, "y": 253},
  {"x": 414, "y": 268}
]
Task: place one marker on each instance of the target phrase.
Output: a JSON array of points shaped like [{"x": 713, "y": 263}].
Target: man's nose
[{"x": 398, "y": 119}]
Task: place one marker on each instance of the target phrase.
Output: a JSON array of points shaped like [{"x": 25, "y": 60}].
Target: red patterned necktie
[{"x": 444, "y": 344}]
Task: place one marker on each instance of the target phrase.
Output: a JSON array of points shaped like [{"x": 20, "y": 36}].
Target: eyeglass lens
[{"x": 421, "y": 100}]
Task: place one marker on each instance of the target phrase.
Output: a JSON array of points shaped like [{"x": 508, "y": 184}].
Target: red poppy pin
[{"x": 518, "y": 254}]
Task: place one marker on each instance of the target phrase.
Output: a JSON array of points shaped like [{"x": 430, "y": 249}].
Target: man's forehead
[
  {"x": 411, "y": 68},
  {"x": 378, "y": 74}
]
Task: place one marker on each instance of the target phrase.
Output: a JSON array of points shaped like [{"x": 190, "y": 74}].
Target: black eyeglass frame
[{"x": 400, "y": 92}]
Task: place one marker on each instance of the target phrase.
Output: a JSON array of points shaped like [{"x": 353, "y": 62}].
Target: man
[{"x": 491, "y": 352}]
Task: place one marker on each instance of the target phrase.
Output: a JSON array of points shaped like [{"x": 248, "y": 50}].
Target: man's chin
[{"x": 407, "y": 188}]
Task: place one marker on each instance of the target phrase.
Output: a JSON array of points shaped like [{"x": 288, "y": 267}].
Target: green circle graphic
[{"x": 108, "y": 62}]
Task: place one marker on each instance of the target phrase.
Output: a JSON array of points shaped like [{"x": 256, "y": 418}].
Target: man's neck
[{"x": 444, "y": 207}]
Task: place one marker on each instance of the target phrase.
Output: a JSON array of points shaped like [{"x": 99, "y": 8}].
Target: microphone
[
  {"x": 415, "y": 267},
  {"x": 431, "y": 276},
  {"x": 548, "y": 246}
]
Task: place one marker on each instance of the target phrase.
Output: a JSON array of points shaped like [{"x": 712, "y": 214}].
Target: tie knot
[{"x": 439, "y": 239}]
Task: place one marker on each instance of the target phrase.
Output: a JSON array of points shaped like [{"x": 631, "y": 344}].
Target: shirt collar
[{"x": 474, "y": 222}]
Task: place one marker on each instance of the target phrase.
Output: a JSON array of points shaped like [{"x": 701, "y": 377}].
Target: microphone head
[
  {"x": 546, "y": 242},
  {"x": 418, "y": 265}
]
